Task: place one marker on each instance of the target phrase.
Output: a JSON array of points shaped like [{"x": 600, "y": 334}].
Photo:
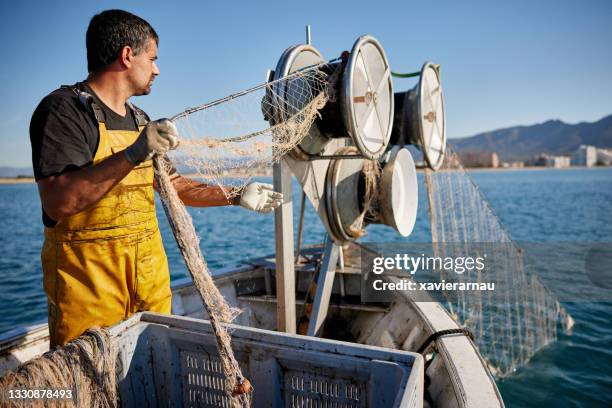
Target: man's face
[{"x": 144, "y": 70}]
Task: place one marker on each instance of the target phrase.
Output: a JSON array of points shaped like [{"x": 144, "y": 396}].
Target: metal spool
[
  {"x": 367, "y": 97},
  {"x": 364, "y": 109},
  {"x": 420, "y": 117},
  {"x": 293, "y": 59},
  {"x": 397, "y": 198},
  {"x": 342, "y": 195}
]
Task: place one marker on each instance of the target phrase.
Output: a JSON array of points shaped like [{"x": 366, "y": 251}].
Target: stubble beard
[{"x": 146, "y": 90}]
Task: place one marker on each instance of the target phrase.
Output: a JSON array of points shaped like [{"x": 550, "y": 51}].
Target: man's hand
[
  {"x": 260, "y": 197},
  {"x": 157, "y": 137}
]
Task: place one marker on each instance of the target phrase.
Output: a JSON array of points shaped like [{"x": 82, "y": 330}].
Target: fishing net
[
  {"x": 228, "y": 141},
  {"x": 83, "y": 371},
  {"x": 371, "y": 171},
  {"x": 512, "y": 323},
  {"x": 225, "y": 142},
  {"x": 219, "y": 311}
]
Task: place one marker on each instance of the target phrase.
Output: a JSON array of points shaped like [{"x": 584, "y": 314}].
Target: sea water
[{"x": 543, "y": 205}]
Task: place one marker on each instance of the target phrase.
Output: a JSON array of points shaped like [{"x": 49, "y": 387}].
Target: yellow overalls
[{"x": 108, "y": 261}]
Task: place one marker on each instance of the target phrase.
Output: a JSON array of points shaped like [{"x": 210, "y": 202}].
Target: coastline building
[
  {"x": 557, "y": 162},
  {"x": 479, "y": 159},
  {"x": 585, "y": 156},
  {"x": 604, "y": 157},
  {"x": 513, "y": 165}
]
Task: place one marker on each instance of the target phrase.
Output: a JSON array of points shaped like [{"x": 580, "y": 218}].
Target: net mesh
[
  {"x": 509, "y": 325},
  {"x": 219, "y": 311},
  {"x": 85, "y": 367},
  {"x": 228, "y": 141},
  {"x": 225, "y": 142},
  {"x": 371, "y": 171}
]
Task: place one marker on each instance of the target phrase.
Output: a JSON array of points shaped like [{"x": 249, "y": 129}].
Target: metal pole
[
  {"x": 325, "y": 282},
  {"x": 308, "y": 34},
  {"x": 285, "y": 271},
  {"x": 300, "y": 228}
]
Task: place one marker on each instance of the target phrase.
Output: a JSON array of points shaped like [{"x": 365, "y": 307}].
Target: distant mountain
[
  {"x": 525, "y": 142},
  {"x": 16, "y": 171}
]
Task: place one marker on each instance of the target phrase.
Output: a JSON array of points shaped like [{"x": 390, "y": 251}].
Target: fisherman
[{"x": 103, "y": 257}]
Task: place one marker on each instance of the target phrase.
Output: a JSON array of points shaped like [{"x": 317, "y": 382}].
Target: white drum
[
  {"x": 364, "y": 111},
  {"x": 396, "y": 201},
  {"x": 420, "y": 117}
]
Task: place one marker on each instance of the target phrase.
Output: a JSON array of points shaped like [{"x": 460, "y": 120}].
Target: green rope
[
  {"x": 414, "y": 74},
  {"x": 410, "y": 75}
]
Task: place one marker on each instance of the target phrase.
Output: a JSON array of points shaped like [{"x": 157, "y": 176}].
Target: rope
[
  {"x": 83, "y": 370},
  {"x": 414, "y": 74},
  {"x": 464, "y": 330},
  {"x": 237, "y": 387},
  {"x": 409, "y": 75},
  {"x": 435, "y": 336}
]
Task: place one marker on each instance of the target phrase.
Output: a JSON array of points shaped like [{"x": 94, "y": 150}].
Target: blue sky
[{"x": 503, "y": 63}]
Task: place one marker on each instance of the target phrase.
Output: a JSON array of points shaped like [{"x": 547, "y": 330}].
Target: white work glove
[
  {"x": 260, "y": 197},
  {"x": 158, "y": 136}
]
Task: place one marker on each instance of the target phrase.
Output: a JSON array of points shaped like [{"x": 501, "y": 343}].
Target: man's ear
[{"x": 125, "y": 56}]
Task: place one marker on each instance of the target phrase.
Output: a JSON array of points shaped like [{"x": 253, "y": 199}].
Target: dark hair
[{"x": 110, "y": 31}]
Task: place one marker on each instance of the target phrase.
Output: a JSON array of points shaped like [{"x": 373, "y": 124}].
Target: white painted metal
[
  {"x": 420, "y": 117},
  {"x": 312, "y": 174},
  {"x": 283, "y": 231},
  {"x": 368, "y": 97},
  {"x": 397, "y": 195},
  {"x": 399, "y": 192},
  {"x": 342, "y": 196},
  {"x": 324, "y": 288},
  {"x": 293, "y": 59},
  {"x": 432, "y": 119}
]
